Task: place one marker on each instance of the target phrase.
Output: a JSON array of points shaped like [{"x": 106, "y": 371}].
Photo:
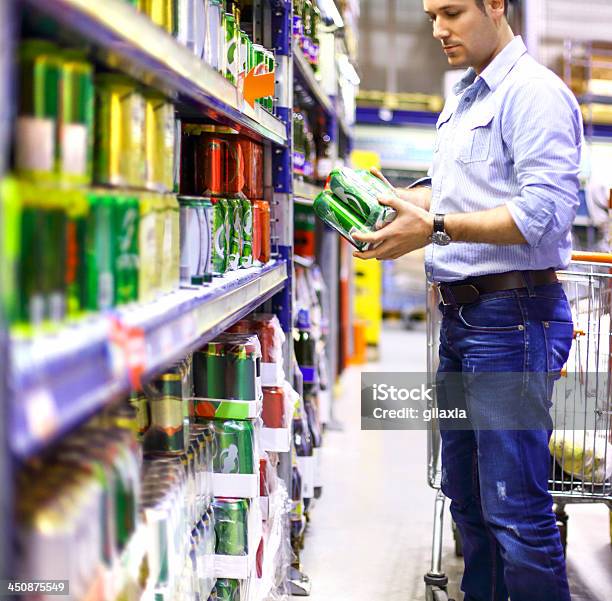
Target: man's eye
[{"x": 452, "y": 14}]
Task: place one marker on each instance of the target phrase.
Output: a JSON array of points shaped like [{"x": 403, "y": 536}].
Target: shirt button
[{"x": 468, "y": 99}]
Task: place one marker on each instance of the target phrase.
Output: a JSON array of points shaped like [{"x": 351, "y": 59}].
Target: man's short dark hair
[{"x": 481, "y": 6}]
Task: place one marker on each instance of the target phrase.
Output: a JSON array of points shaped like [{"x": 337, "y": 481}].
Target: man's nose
[{"x": 440, "y": 31}]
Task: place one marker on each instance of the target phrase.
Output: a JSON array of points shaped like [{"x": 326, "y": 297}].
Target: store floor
[{"x": 370, "y": 533}]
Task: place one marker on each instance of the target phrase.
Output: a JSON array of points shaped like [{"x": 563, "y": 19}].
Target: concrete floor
[{"x": 370, "y": 533}]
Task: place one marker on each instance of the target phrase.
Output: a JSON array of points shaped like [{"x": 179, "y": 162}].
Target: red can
[
  {"x": 261, "y": 217},
  {"x": 210, "y": 164},
  {"x": 252, "y": 153},
  {"x": 273, "y": 406}
]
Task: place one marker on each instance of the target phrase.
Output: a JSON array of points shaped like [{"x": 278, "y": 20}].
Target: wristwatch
[{"x": 439, "y": 235}]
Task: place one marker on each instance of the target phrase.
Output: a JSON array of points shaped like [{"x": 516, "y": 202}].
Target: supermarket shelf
[
  {"x": 61, "y": 379},
  {"x": 594, "y": 99},
  {"x": 133, "y": 43},
  {"x": 304, "y": 193},
  {"x": 305, "y": 75}
]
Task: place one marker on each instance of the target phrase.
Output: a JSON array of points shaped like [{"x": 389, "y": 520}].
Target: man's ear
[{"x": 496, "y": 8}]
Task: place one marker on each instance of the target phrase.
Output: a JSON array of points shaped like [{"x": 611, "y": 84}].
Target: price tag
[
  {"x": 130, "y": 342},
  {"x": 41, "y": 413}
]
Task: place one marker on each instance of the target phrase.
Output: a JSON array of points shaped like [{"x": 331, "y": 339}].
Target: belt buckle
[{"x": 441, "y": 291}]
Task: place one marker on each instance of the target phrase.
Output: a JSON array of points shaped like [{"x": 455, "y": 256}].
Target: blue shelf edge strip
[{"x": 65, "y": 389}]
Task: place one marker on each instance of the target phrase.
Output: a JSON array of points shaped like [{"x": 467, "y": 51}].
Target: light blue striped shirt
[{"x": 512, "y": 136}]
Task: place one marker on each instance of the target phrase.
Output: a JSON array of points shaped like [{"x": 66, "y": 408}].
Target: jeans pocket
[
  {"x": 495, "y": 315},
  {"x": 558, "y": 337}
]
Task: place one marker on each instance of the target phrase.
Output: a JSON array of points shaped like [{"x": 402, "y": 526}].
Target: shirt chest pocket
[
  {"x": 442, "y": 127},
  {"x": 475, "y": 143}
]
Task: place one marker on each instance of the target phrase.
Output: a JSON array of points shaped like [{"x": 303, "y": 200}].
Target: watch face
[{"x": 440, "y": 238}]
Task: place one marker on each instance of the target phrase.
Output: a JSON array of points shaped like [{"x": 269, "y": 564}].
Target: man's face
[{"x": 468, "y": 35}]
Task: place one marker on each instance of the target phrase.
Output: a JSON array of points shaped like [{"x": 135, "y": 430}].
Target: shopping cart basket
[{"x": 581, "y": 442}]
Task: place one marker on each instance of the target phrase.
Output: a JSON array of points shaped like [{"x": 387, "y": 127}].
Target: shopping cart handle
[{"x": 591, "y": 257}]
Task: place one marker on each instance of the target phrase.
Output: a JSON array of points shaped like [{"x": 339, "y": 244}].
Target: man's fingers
[
  {"x": 372, "y": 237},
  {"x": 390, "y": 201},
  {"x": 382, "y": 251},
  {"x": 378, "y": 173}
]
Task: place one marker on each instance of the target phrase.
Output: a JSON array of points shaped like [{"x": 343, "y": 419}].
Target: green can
[
  {"x": 76, "y": 121},
  {"x": 36, "y": 129},
  {"x": 259, "y": 63},
  {"x": 220, "y": 236},
  {"x": 245, "y": 50},
  {"x": 232, "y": 48},
  {"x": 235, "y": 238},
  {"x": 246, "y": 255},
  {"x": 227, "y": 589},
  {"x": 268, "y": 101},
  {"x": 126, "y": 217},
  {"x": 231, "y": 526},
  {"x": 241, "y": 371},
  {"x": 338, "y": 216},
  {"x": 215, "y": 370},
  {"x": 100, "y": 287},
  {"x": 377, "y": 185},
  {"x": 235, "y": 447},
  {"x": 358, "y": 195}
]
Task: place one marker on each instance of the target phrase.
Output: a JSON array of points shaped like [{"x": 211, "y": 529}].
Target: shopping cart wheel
[
  {"x": 561, "y": 518},
  {"x": 458, "y": 541},
  {"x": 437, "y": 594}
]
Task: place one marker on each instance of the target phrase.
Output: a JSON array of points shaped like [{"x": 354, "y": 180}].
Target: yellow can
[
  {"x": 159, "y": 142},
  {"x": 119, "y": 140},
  {"x": 149, "y": 275}
]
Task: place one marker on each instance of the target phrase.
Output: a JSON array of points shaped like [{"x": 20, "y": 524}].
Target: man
[{"x": 498, "y": 211}]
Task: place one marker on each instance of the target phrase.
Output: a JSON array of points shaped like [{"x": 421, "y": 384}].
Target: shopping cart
[{"x": 581, "y": 443}]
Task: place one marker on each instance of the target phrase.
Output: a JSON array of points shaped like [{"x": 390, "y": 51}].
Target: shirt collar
[{"x": 496, "y": 71}]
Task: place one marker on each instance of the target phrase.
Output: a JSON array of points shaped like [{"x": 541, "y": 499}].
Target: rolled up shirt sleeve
[{"x": 542, "y": 128}]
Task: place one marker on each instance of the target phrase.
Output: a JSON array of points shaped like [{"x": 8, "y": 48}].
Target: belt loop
[{"x": 528, "y": 283}]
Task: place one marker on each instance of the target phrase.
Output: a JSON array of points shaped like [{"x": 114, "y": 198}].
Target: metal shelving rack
[{"x": 58, "y": 381}]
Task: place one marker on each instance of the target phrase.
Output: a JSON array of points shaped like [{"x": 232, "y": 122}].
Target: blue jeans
[{"x": 494, "y": 472}]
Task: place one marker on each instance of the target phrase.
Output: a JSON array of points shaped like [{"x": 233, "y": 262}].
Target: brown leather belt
[{"x": 469, "y": 290}]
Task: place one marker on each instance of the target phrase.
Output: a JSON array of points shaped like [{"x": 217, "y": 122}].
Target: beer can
[
  {"x": 166, "y": 432},
  {"x": 220, "y": 231},
  {"x": 76, "y": 122},
  {"x": 246, "y": 254},
  {"x": 214, "y": 40},
  {"x": 235, "y": 447},
  {"x": 211, "y": 381},
  {"x": 235, "y": 239},
  {"x": 199, "y": 26},
  {"x": 185, "y": 22},
  {"x": 270, "y": 68},
  {"x": 169, "y": 223},
  {"x": 159, "y": 142},
  {"x": 359, "y": 195},
  {"x": 227, "y": 589},
  {"x": 244, "y": 65},
  {"x": 36, "y": 143},
  {"x": 232, "y": 48},
  {"x": 141, "y": 405},
  {"x": 99, "y": 236},
  {"x": 338, "y": 216},
  {"x": 252, "y": 159},
  {"x": 120, "y": 125},
  {"x": 273, "y": 406},
  {"x": 126, "y": 214},
  {"x": 261, "y": 229},
  {"x": 194, "y": 233},
  {"x": 149, "y": 253},
  {"x": 241, "y": 371},
  {"x": 231, "y": 526},
  {"x": 210, "y": 165},
  {"x": 207, "y": 242}
]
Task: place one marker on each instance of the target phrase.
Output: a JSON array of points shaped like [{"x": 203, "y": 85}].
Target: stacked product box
[{"x": 227, "y": 397}]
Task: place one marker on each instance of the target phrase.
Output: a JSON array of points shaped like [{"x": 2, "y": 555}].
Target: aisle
[{"x": 370, "y": 535}]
